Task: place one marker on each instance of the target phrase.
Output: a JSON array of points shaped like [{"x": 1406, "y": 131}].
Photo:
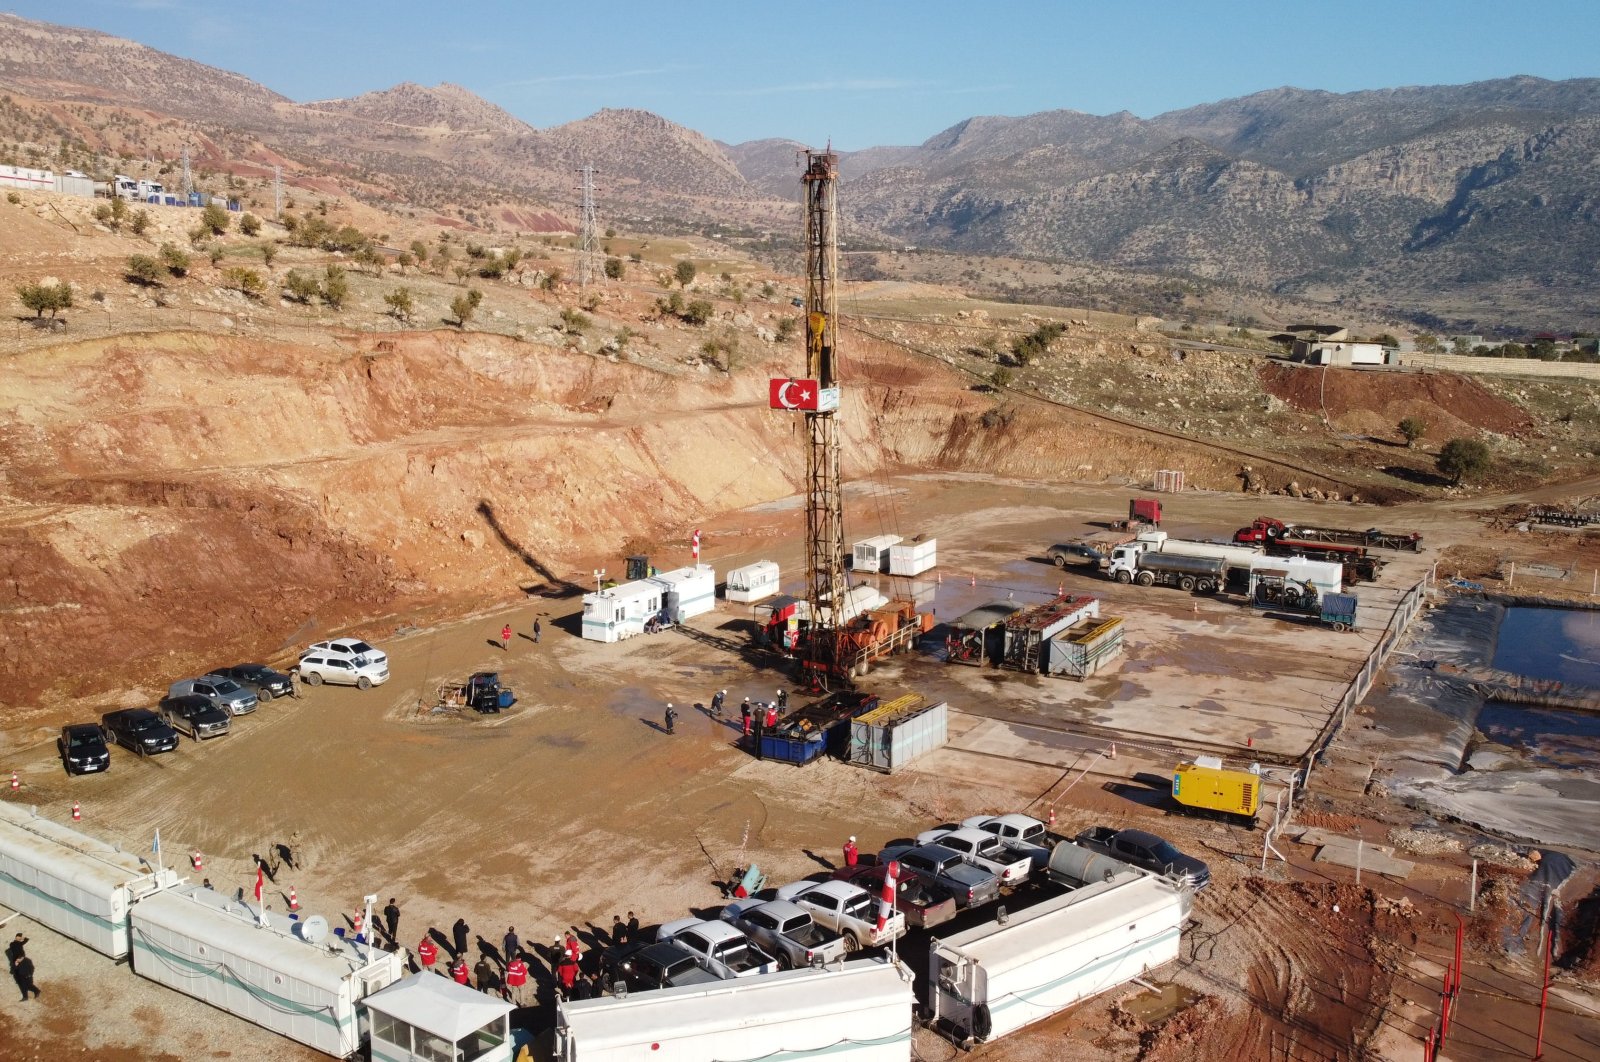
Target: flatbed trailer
[{"x": 1267, "y": 529}]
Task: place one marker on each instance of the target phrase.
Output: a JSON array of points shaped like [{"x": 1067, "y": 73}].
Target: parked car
[
  {"x": 923, "y": 905},
  {"x": 983, "y": 850},
  {"x": 718, "y": 948},
  {"x": 664, "y": 964},
  {"x": 787, "y": 931},
  {"x": 194, "y": 715},
  {"x": 352, "y": 649},
  {"x": 219, "y": 692},
  {"x": 83, "y": 749},
  {"x": 972, "y": 886},
  {"x": 1146, "y": 851},
  {"x": 141, "y": 730},
  {"x": 1020, "y": 833},
  {"x": 267, "y": 682},
  {"x": 847, "y": 909},
  {"x": 319, "y": 667}
]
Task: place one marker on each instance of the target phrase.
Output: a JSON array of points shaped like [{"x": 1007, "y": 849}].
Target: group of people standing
[
  {"x": 573, "y": 973},
  {"x": 755, "y": 717}
]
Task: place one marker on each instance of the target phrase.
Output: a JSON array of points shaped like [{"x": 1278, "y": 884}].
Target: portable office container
[
  {"x": 78, "y": 886},
  {"x": 24, "y": 177},
  {"x": 872, "y": 554},
  {"x": 212, "y": 947},
  {"x": 858, "y": 1010},
  {"x": 897, "y": 732},
  {"x": 913, "y": 558},
  {"x": 753, "y": 582},
  {"x": 621, "y": 611},
  {"x": 427, "y": 1018},
  {"x": 1087, "y": 647},
  {"x": 687, "y": 592},
  {"x": 998, "y": 977}
]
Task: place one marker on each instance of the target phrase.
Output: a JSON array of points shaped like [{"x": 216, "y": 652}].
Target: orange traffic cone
[
  {"x": 1113, "y": 754},
  {"x": 14, "y": 783},
  {"x": 1052, "y": 816},
  {"x": 359, "y": 922},
  {"x": 972, "y": 580},
  {"x": 77, "y": 816},
  {"x": 294, "y": 901},
  {"x": 196, "y": 861}
]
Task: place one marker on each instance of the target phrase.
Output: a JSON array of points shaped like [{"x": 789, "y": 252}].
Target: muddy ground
[{"x": 575, "y": 806}]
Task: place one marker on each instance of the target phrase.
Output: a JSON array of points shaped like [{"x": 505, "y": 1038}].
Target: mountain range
[{"x": 1477, "y": 204}]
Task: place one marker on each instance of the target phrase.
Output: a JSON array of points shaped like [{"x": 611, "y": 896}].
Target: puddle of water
[
  {"x": 1548, "y": 735},
  {"x": 1550, "y": 643},
  {"x": 1155, "y": 1007}
]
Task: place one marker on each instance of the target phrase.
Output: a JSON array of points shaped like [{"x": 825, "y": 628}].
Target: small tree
[
  {"x": 215, "y": 218},
  {"x": 300, "y": 287},
  {"x": 406, "y": 259},
  {"x": 175, "y": 258},
  {"x": 574, "y": 322},
  {"x": 463, "y": 308},
  {"x": 42, "y": 297},
  {"x": 1412, "y": 429},
  {"x": 419, "y": 250},
  {"x": 552, "y": 279},
  {"x": 786, "y": 328},
  {"x": 216, "y": 251},
  {"x": 615, "y": 269},
  {"x": 139, "y": 224},
  {"x": 462, "y": 273},
  {"x": 250, "y": 225},
  {"x": 698, "y": 312},
  {"x": 684, "y": 273},
  {"x": 1463, "y": 459},
  {"x": 269, "y": 253},
  {"x": 767, "y": 290},
  {"x": 369, "y": 258},
  {"x": 441, "y": 260},
  {"x": 400, "y": 303},
  {"x": 1428, "y": 343},
  {"x": 335, "y": 287},
  {"x": 144, "y": 270},
  {"x": 245, "y": 281}
]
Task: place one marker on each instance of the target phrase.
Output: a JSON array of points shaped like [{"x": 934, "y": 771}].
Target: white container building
[
  {"x": 620, "y": 612},
  {"x": 76, "y": 885},
  {"x": 860, "y": 1010},
  {"x": 428, "y": 1018},
  {"x": 913, "y": 558},
  {"x": 997, "y": 978},
  {"x": 687, "y": 592},
  {"x": 872, "y": 554},
  {"x": 30, "y": 179},
  {"x": 753, "y": 582},
  {"x": 210, "y": 946}
]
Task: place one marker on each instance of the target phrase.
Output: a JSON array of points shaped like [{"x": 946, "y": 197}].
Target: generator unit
[{"x": 1207, "y": 788}]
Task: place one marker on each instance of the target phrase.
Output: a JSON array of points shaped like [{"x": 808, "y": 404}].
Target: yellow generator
[{"x": 1205, "y": 787}]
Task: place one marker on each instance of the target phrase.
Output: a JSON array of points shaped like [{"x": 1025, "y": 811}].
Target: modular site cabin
[
  {"x": 753, "y": 582},
  {"x": 860, "y": 1011},
  {"x": 687, "y": 592},
  {"x": 621, "y": 611}
]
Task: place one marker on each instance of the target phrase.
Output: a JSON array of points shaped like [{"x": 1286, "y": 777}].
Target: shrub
[
  {"x": 1036, "y": 343},
  {"x": 139, "y": 224},
  {"x": 216, "y": 251},
  {"x": 684, "y": 273},
  {"x": 615, "y": 269},
  {"x": 269, "y": 253},
  {"x": 300, "y": 287},
  {"x": 722, "y": 350},
  {"x": 1000, "y": 378},
  {"x": 335, "y": 287},
  {"x": 419, "y": 250},
  {"x": 574, "y": 322},
  {"x": 698, "y": 312},
  {"x": 463, "y": 307},
  {"x": 142, "y": 269},
  {"x": 250, "y": 225},
  {"x": 13, "y": 198},
  {"x": 42, "y": 297},
  {"x": 215, "y": 218},
  {"x": 175, "y": 259},
  {"x": 1463, "y": 459},
  {"x": 786, "y": 328},
  {"x": 246, "y": 281},
  {"x": 552, "y": 279},
  {"x": 1412, "y": 429},
  {"x": 400, "y": 303}
]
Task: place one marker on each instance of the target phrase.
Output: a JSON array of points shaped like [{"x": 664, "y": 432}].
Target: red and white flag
[
  {"x": 694, "y": 545},
  {"x": 793, "y": 394},
  {"x": 891, "y": 886},
  {"x": 260, "y": 879}
]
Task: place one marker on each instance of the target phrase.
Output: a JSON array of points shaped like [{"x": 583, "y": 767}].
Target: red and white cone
[
  {"x": 972, "y": 580},
  {"x": 77, "y": 815},
  {"x": 196, "y": 861},
  {"x": 14, "y": 783},
  {"x": 360, "y": 923},
  {"x": 1052, "y": 816},
  {"x": 1113, "y": 753},
  {"x": 294, "y": 901}
]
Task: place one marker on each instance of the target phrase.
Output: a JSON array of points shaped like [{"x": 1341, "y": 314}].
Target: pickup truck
[
  {"x": 982, "y": 850},
  {"x": 223, "y": 693},
  {"x": 664, "y": 964},
  {"x": 924, "y": 906},
  {"x": 787, "y": 931},
  {"x": 194, "y": 715},
  {"x": 1146, "y": 851},
  {"x": 848, "y": 910},
  {"x": 972, "y": 886},
  {"x": 1020, "y": 833},
  {"x": 718, "y": 948}
]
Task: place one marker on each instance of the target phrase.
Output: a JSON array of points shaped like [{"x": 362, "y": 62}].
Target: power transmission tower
[
  {"x": 824, "y": 494},
  {"x": 188, "y": 185},
  {"x": 587, "y": 252},
  {"x": 277, "y": 193}
]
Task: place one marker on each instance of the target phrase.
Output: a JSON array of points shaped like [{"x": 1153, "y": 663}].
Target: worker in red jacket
[
  {"x": 505, "y": 637},
  {"x": 427, "y": 953},
  {"x": 460, "y": 973},
  {"x": 516, "y": 977},
  {"x": 772, "y": 716},
  {"x": 851, "y": 854}
]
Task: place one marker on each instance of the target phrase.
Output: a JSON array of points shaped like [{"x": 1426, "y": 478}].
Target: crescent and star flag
[
  {"x": 694, "y": 544},
  {"x": 891, "y": 882},
  {"x": 260, "y": 880},
  {"x": 793, "y": 394}
]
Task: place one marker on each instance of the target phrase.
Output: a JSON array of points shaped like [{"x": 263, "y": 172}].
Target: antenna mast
[{"x": 586, "y": 237}]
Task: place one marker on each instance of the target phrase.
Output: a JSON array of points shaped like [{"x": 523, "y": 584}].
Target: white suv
[
  {"x": 352, "y": 649},
  {"x": 319, "y": 666}
]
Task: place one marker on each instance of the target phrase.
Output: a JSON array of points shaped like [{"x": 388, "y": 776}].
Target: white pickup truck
[
  {"x": 984, "y": 850},
  {"x": 718, "y": 948},
  {"x": 787, "y": 931},
  {"x": 1023, "y": 834},
  {"x": 846, "y": 909}
]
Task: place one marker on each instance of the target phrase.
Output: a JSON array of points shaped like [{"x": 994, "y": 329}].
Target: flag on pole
[
  {"x": 260, "y": 882},
  {"x": 891, "y": 883},
  {"x": 155, "y": 846},
  {"x": 694, "y": 545}
]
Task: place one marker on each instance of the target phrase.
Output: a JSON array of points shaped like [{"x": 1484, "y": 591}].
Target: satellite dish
[{"x": 312, "y": 929}]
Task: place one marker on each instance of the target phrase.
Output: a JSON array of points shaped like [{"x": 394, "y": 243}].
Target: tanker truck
[{"x": 1152, "y": 568}]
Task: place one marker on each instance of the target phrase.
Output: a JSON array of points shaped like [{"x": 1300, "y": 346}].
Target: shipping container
[
  {"x": 872, "y": 554},
  {"x": 1086, "y": 648},
  {"x": 1000, "y": 976},
  {"x": 860, "y": 1010},
  {"x": 753, "y": 582},
  {"x": 283, "y": 975},
  {"x": 74, "y": 184},
  {"x": 621, "y": 611},
  {"x": 898, "y": 732},
  {"x": 913, "y": 558},
  {"x": 77, "y": 885},
  {"x": 428, "y": 1018},
  {"x": 687, "y": 592}
]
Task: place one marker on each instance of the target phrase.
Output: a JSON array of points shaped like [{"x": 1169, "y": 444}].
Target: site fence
[{"x": 1399, "y": 620}]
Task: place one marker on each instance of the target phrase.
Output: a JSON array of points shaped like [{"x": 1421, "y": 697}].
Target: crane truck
[{"x": 1266, "y": 528}]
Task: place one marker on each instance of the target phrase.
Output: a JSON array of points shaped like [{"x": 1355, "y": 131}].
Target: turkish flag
[
  {"x": 793, "y": 394},
  {"x": 260, "y": 879}
]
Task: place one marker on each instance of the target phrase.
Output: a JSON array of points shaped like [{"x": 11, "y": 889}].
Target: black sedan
[
  {"x": 83, "y": 749},
  {"x": 141, "y": 730},
  {"x": 259, "y": 677}
]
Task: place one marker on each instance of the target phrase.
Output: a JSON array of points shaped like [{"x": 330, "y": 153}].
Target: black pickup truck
[{"x": 1146, "y": 851}]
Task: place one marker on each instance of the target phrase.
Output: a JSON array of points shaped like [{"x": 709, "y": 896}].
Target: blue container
[
  {"x": 194, "y": 199},
  {"x": 793, "y": 750}
]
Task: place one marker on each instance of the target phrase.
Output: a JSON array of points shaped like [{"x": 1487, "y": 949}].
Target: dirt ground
[{"x": 575, "y": 806}]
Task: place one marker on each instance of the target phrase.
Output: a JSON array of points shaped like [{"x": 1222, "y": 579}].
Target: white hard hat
[
  {"x": 669, "y": 704},
  {"x": 724, "y": 692},
  {"x": 852, "y": 838}
]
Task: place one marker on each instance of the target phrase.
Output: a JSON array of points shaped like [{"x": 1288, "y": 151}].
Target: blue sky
[{"x": 860, "y": 73}]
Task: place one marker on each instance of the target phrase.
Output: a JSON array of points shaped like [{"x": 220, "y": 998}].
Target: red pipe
[{"x": 1544, "y": 995}]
